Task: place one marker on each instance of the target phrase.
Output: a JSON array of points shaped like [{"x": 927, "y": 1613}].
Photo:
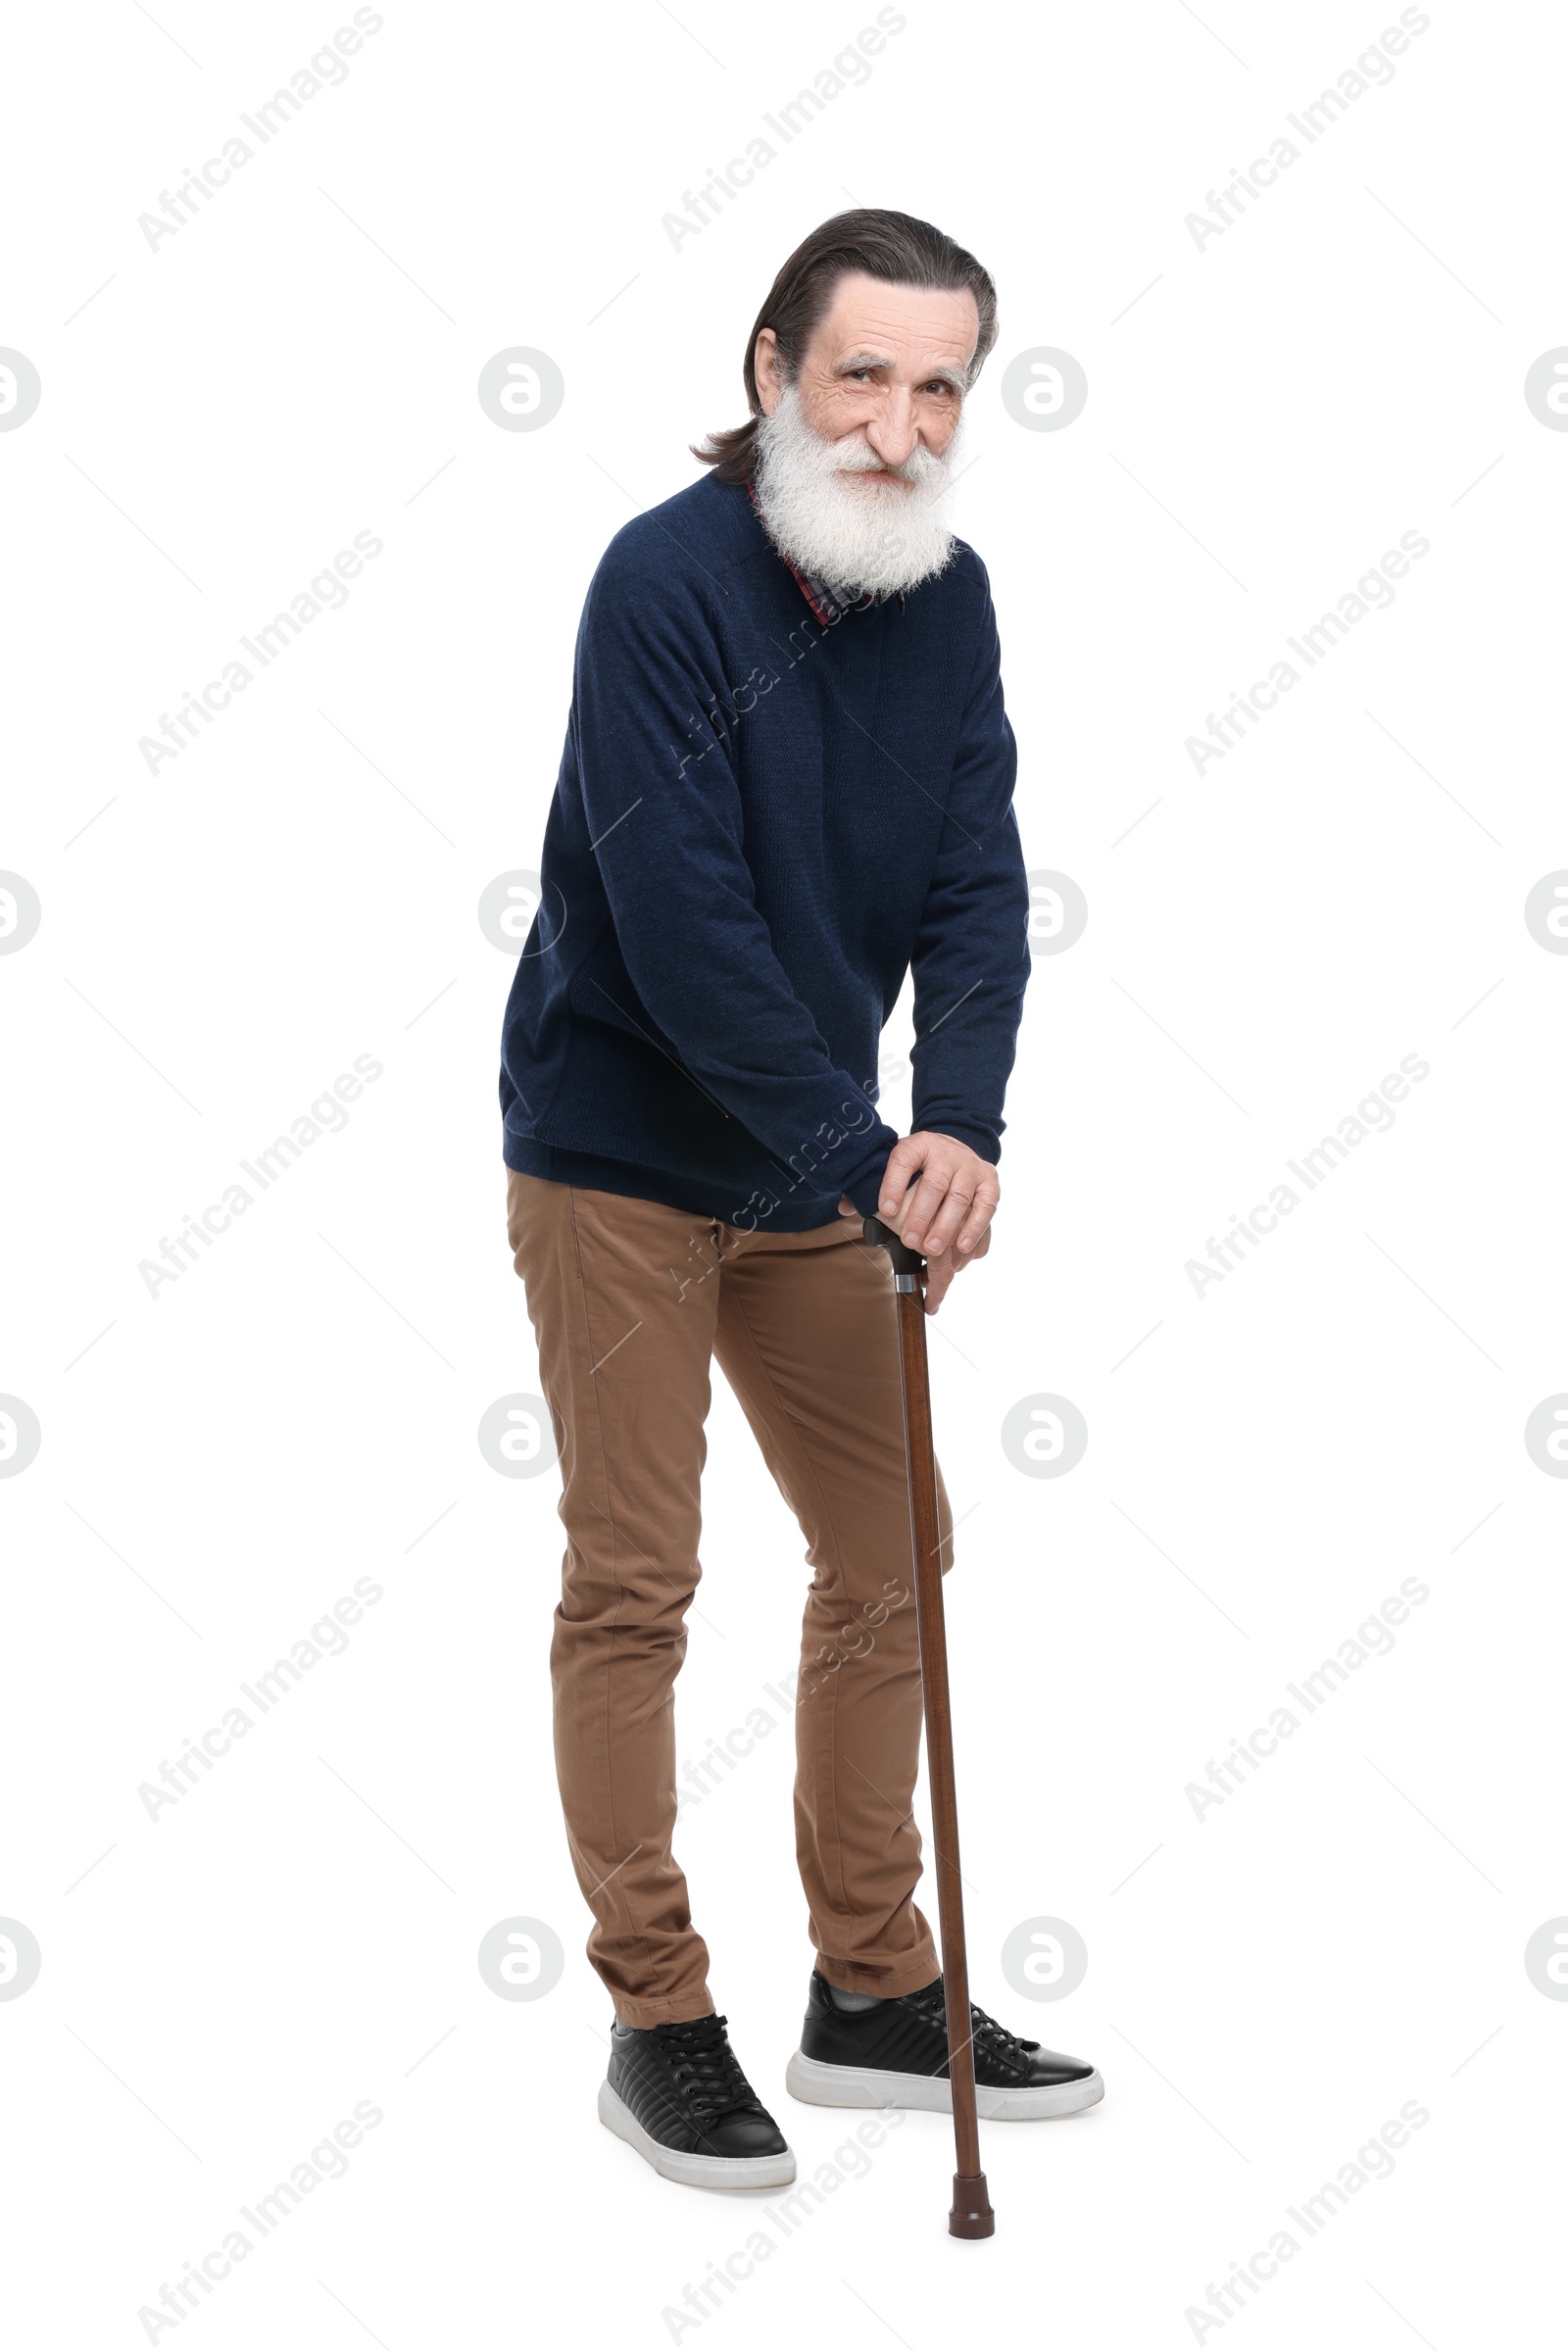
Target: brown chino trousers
[{"x": 630, "y": 1301}]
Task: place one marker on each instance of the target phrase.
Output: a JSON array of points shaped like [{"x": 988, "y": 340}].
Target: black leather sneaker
[
  {"x": 895, "y": 2053},
  {"x": 676, "y": 2093}
]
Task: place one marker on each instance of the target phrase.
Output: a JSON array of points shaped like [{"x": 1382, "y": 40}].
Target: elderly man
[{"x": 786, "y": 783}]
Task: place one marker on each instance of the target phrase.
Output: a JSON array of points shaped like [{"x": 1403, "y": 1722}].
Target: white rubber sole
[
  {"x": 692, "y": 2171},
  {"x": 818, "y": 2084}
]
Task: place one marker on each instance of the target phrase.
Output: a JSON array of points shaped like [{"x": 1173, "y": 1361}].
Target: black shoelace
[
  {"x": 704, "y": 2068},
  {"x": 992, "y": 2042}
]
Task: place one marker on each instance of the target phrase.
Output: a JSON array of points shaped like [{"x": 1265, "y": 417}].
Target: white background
[{"x": 219, "y": 1464}]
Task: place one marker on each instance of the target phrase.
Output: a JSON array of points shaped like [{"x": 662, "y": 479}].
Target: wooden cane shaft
[{"x": 926, "y": 1543}]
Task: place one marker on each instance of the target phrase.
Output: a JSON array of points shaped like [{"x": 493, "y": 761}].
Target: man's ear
[{"x": 764, "y": 363}]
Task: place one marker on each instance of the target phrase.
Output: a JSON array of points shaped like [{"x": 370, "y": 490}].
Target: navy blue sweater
[{"x": 761, "y": 824}]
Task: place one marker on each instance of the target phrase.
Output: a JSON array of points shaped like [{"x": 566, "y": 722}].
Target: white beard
[{"x": 855, "y": 539}]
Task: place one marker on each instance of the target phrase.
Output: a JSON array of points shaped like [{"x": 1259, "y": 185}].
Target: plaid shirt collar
[{"x": 827, "y": 607}]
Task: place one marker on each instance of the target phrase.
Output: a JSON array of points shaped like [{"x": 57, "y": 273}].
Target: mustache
[
  {"x": 921, "y": 466},
  {"x": 788, "y": 442}
]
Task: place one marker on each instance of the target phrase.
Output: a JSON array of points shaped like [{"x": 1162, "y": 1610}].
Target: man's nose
[{"x": 893, "y": 432}]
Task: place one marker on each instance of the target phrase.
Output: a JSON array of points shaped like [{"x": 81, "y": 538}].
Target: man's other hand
[{"x": 939, "y": 1197}]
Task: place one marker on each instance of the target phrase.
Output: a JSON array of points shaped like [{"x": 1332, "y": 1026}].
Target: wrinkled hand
[{"x": 939, "y": 1197}]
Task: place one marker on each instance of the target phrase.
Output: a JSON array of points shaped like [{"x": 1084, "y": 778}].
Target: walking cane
[{"x": 971, "y": 2214}]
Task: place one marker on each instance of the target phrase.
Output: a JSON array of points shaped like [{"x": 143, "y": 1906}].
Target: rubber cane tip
[{"x": 971, "y": 2214}]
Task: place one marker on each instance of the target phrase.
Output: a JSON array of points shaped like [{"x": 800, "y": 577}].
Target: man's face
[
  {"x": 854, "y": 459},
  {"x": 885, "y": 374}
]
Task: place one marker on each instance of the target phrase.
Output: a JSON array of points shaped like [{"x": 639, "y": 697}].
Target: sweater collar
[{"x": 827, "y": 607}]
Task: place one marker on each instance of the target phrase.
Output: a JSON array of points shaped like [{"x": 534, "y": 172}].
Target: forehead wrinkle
[{"x": 895, "y": 315}]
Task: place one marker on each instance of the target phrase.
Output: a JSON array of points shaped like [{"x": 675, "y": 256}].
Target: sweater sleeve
[
  {"x": 664, "y": 813},
  {"x": 971, "y": 957}
]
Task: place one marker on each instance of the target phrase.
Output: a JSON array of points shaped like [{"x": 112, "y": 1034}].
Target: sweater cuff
[
  {"x": 866, "y": 1193},
  {"x": 980, "y": 1140}
]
